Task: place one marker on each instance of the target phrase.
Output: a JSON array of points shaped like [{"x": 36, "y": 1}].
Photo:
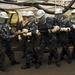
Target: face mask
[
  {"x": 73, "y": 19},
  {"x": 5, "y": 22},
  {"x": 73, "y": 16},
  {"x": 58, "y": 15},
  {"x": 2, "y": 20},
  {"x": 42, "y": 20},
  {"x": 31, "y": 20},
  {"x": 24, "y": 21}
]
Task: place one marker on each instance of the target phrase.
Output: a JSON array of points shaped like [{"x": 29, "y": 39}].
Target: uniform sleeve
[
  {"x": 69, "y": 23},
  {"x": 11, "y": 31},
  {"x": 7, "y": 37},
  {"x": 19, "y": 26},
  {"x": 33, "y": 28},
  {"x": 3, "y": 35},
  {"x": 49, "y": 22},
  {"x": 1, "y": 32},
  {"x": 55, "y": 21}
]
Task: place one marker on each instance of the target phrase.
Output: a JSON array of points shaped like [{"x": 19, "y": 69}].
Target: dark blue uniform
[
  {"x": 6, "y": 34},
  {"x": 30, "y": 52},
  {"x": 63, "y": 37},
  {"x": 47, "y": 39},
  {"x": 72, "y": 36},
  {"x": 24, "y": 39}
]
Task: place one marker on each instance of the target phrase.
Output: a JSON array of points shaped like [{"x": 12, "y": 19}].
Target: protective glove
[
  {"x": 29, "y": 34},
  {"x": 49, "y": 30},
  {"x": 24, "y": 34},
  {"x": 73, "y": 26},
  {"x": 61, "y": 29},
  {"x": 28, "y": 40},
  {"x": 54, "y": 30},
  {"x": 38, "y": 33},
  {"x": 19, "y": 31},
  {"x": 25, "y": 31},
  {"x": 65, "y": 29},
  {"x": 69, "y": 29},
  {"x": 19, "y": 37},
  {"x": 57, "y": 27}
]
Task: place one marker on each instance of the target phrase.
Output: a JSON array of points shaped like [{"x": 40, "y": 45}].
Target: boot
[
  {"x": 72, "y": 55},
  {"x": 69, "y": 61},
  {"x": 57, "y": 63},
  {"x": 15, "y": 62},
  {"x": 34, "y": 61},
  {"x": 49, "y": 61},
  {"x": 61, "y": 57},
  {"x": 38, "y": 64},
  {"x": 2, "y": 68},
  {"x": 26, "y": 66},
  {"x": 23, "y": 56}
]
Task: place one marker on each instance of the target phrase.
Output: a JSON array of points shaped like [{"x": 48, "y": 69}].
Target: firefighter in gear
[
  {"x": 6, "y": 34},
  {"x": 29, "y": 32},
  {"x": 72, "y": 32},
  {"x": 48, "y": 37},
  {"x": 62, "y": 35},
  {"x": 21, "y": 26}
]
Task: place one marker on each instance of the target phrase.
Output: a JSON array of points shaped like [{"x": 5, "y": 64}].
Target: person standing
[
  {"x": 29, "y": 32},
  {"x": 72, "y": 32},
  {"x": 48, "y": 37},
  {"x": 6, "y": 34},
  {"x": 62, "y": 34},
  {"x": 20, "y": 27}
]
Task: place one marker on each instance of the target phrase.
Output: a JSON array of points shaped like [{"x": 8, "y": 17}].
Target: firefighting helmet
[
  {"x": 73, "y": 11},
  {"x": 40, "y": 13},
  {"x": 30, "y": 13},
  {"x": 4, "y": 15},
  {"x": 24, "y": 13},
  {"x": 58, "y": 11}
]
